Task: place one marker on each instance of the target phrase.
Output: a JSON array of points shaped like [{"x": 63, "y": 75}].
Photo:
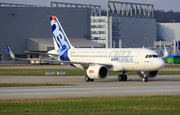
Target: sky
[{"x": 165, "y": 5}]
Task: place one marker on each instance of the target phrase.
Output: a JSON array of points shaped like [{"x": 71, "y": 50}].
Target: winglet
[
  {"x": 165, "y": 51},
  {"x": 10, "y": 52}
]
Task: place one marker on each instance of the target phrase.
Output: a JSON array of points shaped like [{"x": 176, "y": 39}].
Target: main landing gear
[
  {"x": 87, "y": 79},
  {"x": 122, "y": 77}
]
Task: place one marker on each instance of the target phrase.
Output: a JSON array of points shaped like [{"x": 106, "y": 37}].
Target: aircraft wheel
[
  {"x": 91, "y": 80},
  {"x": 87, "y": 79},
  {"x": 145, "y": 79},
  {"x": 124, "y": 77},
  {"x": 120, "y": 77}
]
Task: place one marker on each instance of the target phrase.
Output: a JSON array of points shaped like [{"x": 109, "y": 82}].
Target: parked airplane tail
[
  {"x": 165, "y": 51},
  {"x": 10, "y": 52},
  {"x": 60, "y": 39}
]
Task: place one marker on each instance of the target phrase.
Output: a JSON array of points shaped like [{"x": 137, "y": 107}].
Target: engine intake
[
  {"x": 97, "y": 72},
  {"x": 150, "y": 74}
]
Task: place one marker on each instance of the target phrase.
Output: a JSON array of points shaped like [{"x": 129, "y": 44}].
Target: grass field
[
  {"x": 172, "y": 66},
  {"x": 31, "y": 84},
  {"x": 69, "y": 72},
  {"x": 166, "y": 66},
  {"x": 154, "y": 105}
]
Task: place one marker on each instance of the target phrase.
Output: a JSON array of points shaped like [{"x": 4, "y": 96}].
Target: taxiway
[{"x": 110, "y": 87}]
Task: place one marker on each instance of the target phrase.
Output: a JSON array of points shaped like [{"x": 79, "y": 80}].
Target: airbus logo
[
  {"x": 60, "y": 38},
  {"x": 125, "y": 60}
]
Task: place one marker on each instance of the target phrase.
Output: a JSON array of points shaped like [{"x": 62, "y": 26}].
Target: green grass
[
  {"x": 154, "y": 105},
  {"x": 19, "y": 65},
  {"x": 169, "y": 73},
  {"x": 40, "y": 72},
  {"x": 69, "y": 72},
  {"x": 172, "y": 66},
  {"x": 31, "y": 84}
]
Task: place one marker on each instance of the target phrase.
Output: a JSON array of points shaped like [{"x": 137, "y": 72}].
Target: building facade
[
  {"x": 98, "y": 29},
  {"x": 129, "y": 25},
  {"x": 168, "y": 31},
  {"x": 18, "y": 24},
  {"x": 131, "y": 32},
  {"x": 124, "y": 31}
]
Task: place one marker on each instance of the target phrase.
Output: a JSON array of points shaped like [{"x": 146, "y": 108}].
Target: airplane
[{"x": 98, "y": 62}]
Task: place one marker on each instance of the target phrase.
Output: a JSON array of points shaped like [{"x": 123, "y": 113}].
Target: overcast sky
[{"x": 165, "y": 5}]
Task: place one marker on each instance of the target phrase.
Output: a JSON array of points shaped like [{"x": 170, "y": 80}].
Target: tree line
[{"x": 170, "y": 16}]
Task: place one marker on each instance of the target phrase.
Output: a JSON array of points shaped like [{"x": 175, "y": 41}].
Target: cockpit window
[
  {"x": 155, "y": 56},
  {"x": 152, "y": 56}
]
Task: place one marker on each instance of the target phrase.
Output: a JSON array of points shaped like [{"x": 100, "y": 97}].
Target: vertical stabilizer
[
  {"x": 60, "y": 39},
  {"x": 165, "y": 51}
]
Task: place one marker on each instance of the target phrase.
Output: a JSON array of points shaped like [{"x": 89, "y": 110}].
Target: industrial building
[
  {"x": 98, "y": 29},
  {"x": 168, "y": 31},
  {"x": 128, "y": 25},
  {"x": 27, "y": 28},
  {"x": 169, "y": 34}
]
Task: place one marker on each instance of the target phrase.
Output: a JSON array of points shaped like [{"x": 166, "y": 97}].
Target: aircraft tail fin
[
  {"x": 10, "y": 52},
  {"x": 61, "y": 42},
  {"x": 165, "y": 51}
]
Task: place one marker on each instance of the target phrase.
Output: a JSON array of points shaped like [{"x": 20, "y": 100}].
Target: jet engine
[
  {"x": 149, "y": 74},
  {"x": 97, "y": 72}
]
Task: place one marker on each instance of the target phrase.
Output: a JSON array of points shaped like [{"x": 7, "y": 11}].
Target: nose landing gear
[{"x": 145, "y": 79}]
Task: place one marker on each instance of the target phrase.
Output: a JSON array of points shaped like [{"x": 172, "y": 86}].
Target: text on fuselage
[{"x": 125, "y": 60}]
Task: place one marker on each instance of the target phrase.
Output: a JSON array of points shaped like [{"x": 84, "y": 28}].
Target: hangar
[
  {"x": 26, "y": 27},
  {"x": 129, "y": 25}
]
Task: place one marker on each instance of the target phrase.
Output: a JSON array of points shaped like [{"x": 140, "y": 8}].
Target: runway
[{"x": 110, "y": 87}]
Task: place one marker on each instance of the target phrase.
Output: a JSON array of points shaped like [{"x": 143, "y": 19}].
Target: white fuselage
[{"x": 122, "y": 59}]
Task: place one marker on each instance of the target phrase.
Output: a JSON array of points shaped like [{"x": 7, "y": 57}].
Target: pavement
[{"x": 110, "y": 87}]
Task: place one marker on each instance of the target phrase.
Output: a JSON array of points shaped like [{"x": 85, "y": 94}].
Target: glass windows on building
[
  {"x": 21, "y": 55},
  {"x": 7, "y": 57},
  {"x": 95, "y": 38},
  {"x": 98, "y": 32},
  {"x": 98, "y": 26},
  {"x": 98, "y": 20}
]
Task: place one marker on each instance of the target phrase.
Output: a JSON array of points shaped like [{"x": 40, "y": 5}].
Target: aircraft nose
[{"x": 160, "y": 64}]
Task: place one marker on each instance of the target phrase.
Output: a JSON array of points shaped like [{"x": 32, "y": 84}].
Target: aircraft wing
[
  {"x": 57, "y": 61},
  {"x": 41, "y": 53}
]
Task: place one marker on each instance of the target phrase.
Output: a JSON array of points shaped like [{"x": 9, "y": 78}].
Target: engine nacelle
[
  {"x": 97, "y": 72},
  {"x": 150, "y": 74}
]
